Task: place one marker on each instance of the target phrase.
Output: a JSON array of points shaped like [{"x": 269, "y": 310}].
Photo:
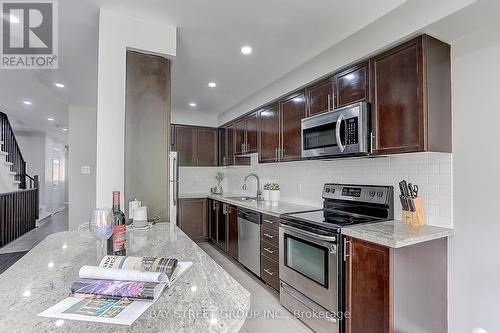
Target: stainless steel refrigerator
[{"x": 173, "y": 186}]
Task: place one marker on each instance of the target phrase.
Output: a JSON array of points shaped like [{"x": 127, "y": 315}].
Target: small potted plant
[
  {"x": 274, "y": 192},
  {"x": 265, "y": 192},
  {"x": 219, "y": 177}
]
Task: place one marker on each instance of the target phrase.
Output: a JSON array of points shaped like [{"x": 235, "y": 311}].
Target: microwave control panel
[{"x": 352, "y": 131}]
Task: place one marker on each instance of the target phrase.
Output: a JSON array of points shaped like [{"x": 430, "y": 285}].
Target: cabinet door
[
  {"x": 397, "y": 110},
  {"x": 232, "y": 231},
  {"x": 352, "y": 85},
  {"x": 206, "y": 146},
  {"x": 193, "y": 218},
  {"x": 213, "y": 215},
  {"x": 222, "y": 146},
  {"x": 185, "y": 139},
  {"x": 269, "y": 133},
  {"x": 367, "y": 287},
  {"x": 221, "y": 226},
  {"x": 319, "y": 97},
  {"x": 252, "y": 133},
  {"x": 292, "y": 111},
  {"x": 230, "y": 145},
  {"x": 240, "y": 130}
]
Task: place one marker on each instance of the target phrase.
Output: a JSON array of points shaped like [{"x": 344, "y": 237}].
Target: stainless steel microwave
[{"x": 341, "y": 132}]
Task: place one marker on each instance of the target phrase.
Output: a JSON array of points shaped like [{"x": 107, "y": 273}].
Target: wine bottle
[{"x": 116, "y": 243}]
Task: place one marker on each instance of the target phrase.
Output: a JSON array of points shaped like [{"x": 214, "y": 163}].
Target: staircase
[
  {"x": 18, "y": 202},
  {"x": 8, "y": 181}
]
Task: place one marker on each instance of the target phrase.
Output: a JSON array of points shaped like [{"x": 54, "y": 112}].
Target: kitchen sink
[{"x": 245, "y": 198}]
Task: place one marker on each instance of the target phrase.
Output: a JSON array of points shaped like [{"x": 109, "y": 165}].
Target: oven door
[{"x": 308, "y": 263}]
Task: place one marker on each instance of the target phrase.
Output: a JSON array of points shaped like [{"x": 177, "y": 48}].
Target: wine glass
[{"x": 101, "y": 225}]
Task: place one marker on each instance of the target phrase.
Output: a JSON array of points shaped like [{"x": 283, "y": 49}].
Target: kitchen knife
[
  {"x": 404, "y": 204},
  {"x": 403, "y": 186},
  {"x": 411, "y": 204}
]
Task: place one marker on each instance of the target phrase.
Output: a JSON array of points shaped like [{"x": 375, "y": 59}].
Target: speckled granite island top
[
  {"x": 282, "y": 207},
  {"x": 205, "y": 299},
  {"x": 395, "y": 234}
]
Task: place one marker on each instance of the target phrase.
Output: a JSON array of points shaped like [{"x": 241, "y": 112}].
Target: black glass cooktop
[{"x": 329, "y": 218}]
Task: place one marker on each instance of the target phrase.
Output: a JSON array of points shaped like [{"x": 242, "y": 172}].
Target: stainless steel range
[{"x": 312, "y": 247}]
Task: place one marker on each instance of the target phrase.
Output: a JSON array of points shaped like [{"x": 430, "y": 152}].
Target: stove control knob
[
  {"x": 372, "y": 193},
  {"x": 380, "y": 194},
  {"x": 327, "y": 190}
]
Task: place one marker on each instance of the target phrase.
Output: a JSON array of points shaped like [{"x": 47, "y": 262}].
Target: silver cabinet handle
[
  {"x": 282, "y": 154},
  {"x": 268, "y": 221},
  {"x": 337, "y": 133},
  {"x": 268, "y": 235},
  {"x": 372, "y": 140},
  {"x": 269, "y": 250},
  {"x": 276, "y": 154},
  {"x": 346, "y": 243},
  {"x": 268, "y": 271},
  {"x": 329, "y": 102}
]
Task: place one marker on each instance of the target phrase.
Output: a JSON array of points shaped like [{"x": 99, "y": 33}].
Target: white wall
[
  {"x": 117, "y": 33},
  {"x": 82, "y": 144},
  {"x": 474, "y": 270},
  {"x": 192, "y": 117},
  {"x": 38, "y": 150},
  {"x": 409, "y": 18},
  {"x": 32, "y": 145}
]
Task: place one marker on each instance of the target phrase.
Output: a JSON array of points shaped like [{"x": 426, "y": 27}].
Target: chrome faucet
[{"x": 259, "y": 192}]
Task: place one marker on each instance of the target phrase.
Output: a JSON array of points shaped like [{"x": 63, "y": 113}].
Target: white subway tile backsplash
[{"x": 302, "y": 182}]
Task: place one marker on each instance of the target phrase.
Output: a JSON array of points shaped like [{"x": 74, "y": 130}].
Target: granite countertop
[
  {"x": 395, "y": 234},
  {"x": 205, "y": 299},
  {"x": 282, "y": 207}
]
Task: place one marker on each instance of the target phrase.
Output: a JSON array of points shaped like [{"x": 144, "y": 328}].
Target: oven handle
[
  {"x": 337, "y": 132},
  {"x": 309, "y": 234}
]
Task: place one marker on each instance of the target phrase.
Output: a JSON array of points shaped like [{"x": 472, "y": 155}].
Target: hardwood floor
[
  {"x": 8, "y": 259},
  {"x": 53, "y": 224}
]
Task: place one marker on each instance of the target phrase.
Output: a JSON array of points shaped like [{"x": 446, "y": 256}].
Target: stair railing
[{"x": 11, "y": 146}]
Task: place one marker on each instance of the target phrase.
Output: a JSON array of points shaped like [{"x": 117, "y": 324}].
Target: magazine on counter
[{"x": 119, "y": 290}]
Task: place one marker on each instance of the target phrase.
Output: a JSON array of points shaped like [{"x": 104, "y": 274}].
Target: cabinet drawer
[
  {"x": 269, "y": 235},
  {"x": 269, "y": 272},
  {"x": 270, "y": 221},
  {"x": 269, "y": 250}
]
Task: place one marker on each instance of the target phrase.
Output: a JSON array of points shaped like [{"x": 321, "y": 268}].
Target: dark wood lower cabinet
[
  {"x": 193, "y": 218},
  {"x": 367, "y": 287},
  {"x": 232, "y": 231}
]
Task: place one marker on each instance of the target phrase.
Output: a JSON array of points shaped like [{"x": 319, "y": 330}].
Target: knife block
[{"x": 417, "y": 217}]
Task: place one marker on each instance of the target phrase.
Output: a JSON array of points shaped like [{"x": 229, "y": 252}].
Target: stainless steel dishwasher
[{"x": 249, "y": 239}]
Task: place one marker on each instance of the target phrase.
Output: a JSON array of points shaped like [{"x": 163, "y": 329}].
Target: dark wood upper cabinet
[
  {"x": 367, "y": 288},
  {"x": 186, "y": 145},
  {"x": 269, "y": 133},
  {"x": 232, "y": 231},
  {"x": 246, "y": 134},
  {"x": 193, "y": 218},
  {"x": 195, "y": 146},
  {"x": 252, "y": 129},
  {"x": 411, "y": 108},
  {"x": 292, "y": 111},
  {"x": 230, "y": 144},
  {"x": 221, "y": 132},
  {"x": 319, "y": 97},
  {"x": 352, "y": 85},
  {"x": 206, "y": 146},
  {"x": 240, "y": 136}
]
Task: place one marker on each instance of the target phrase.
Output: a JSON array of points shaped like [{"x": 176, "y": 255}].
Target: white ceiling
[{"x": 283, "y": 34}]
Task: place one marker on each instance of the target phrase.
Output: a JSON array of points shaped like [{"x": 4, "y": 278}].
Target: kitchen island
[{"x": 205, "y": 299}]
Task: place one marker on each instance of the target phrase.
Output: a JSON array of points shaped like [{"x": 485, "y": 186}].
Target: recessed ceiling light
[
  {"x": 64, "y": 129},
  {"x": 212, "y": 84},
  {"x": 246, "y": 50},
  {"x": 59, "y": 85},
  {"x": 50, "y": 119},
  {"x": 192, "y": 104},
  {"x": 27, "y": 102}
]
